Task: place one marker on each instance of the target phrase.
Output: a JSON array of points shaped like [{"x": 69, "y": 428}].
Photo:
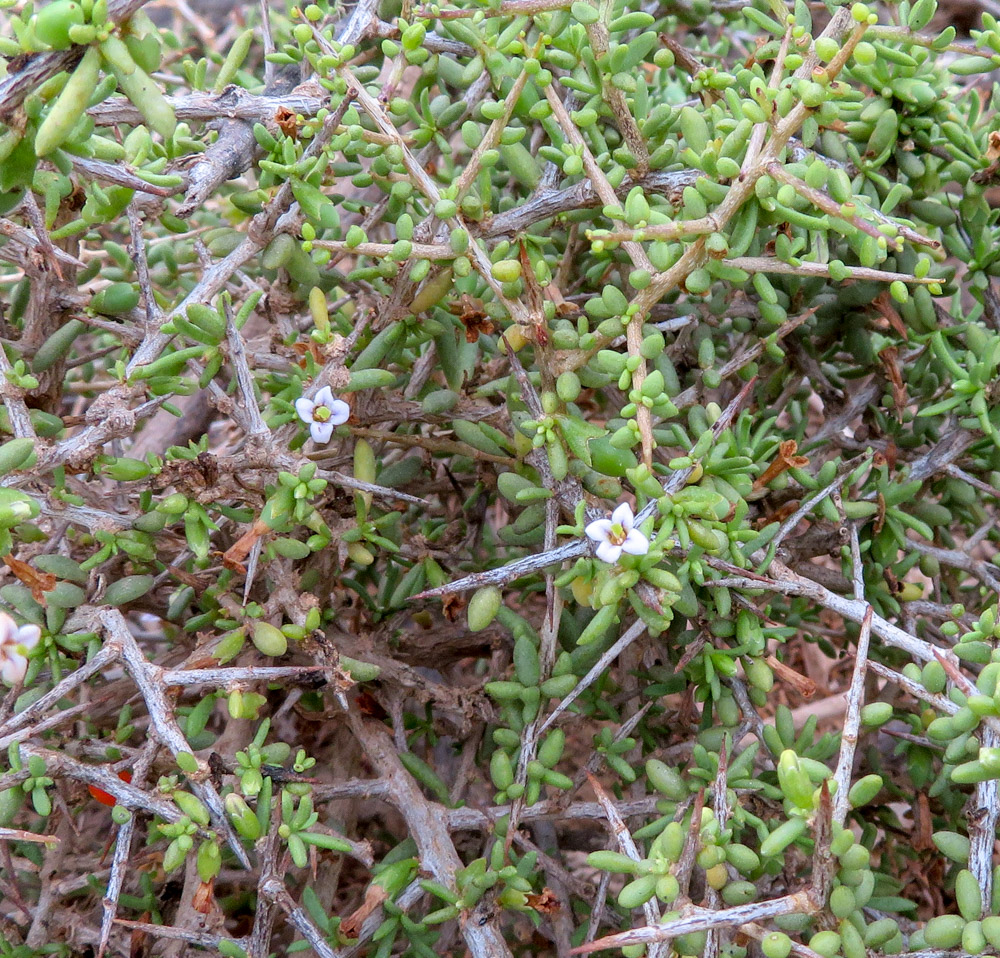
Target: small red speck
[{"x": 102, "y": 796}]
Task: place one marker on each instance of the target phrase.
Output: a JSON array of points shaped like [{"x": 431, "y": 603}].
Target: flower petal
[
  {"x": 599, "y": 530},
  {"x": 304, "y": 407},
  {"x": 14, "y": 669},
  {"x": 635, "y": 543},
  {"x": 340, "y": 412},
  {"x": 28, "y": 636},
  {"x": 325, "y": 397},
  {"x": 8, "y": 628},
  {"x": 623, "y": 515},
  {"x": 321, "y": 431},
  {"x": 609, "y": 553}
]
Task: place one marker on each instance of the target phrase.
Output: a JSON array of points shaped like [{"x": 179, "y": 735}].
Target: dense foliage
[{"x": 331, "y": 338}]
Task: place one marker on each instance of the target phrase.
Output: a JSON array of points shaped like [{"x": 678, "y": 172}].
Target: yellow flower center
[
  {"x": 321, "y": 414},
  {"x": 617, "y": 535}
]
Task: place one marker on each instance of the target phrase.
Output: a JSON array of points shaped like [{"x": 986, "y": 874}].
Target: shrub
[{"x": 506, "y": 414}]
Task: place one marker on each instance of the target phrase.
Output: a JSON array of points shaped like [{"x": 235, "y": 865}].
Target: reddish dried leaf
[
  {"x": 38, "y": 582},
  {"x": 554, "y": 294},
  {"x": 102, "y": 796},
  {"x": 691, "y": 652},
  {"x": 805, "y": 686},
  {"x": 451, "y": 606},
  {"x": 781, "y": 513},
  {"x": 546, "y": 903},
  {"x": 883, "y": 303},
  {"x": 203, "y": 899},
  {"x": 186, "y": 578},
  {"x": 138, "y": 940},
  {"x": 473, "y": 317},
  {"x": 891, "y": 454},
  {"x": 923, "y": 822},
  {"x": 785, "y": 459},
  {"x": 233, "y": 557},
  {"x": 536, "y": 302},
  {"x": 368, "y": 705},
  {"x": 287, "y": 121},
  {"x": 374, "y": 896},
  {"x": 890, "y": 362}
]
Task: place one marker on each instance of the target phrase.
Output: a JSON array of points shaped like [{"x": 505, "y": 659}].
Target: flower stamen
[{"x": 617, "y": 534}]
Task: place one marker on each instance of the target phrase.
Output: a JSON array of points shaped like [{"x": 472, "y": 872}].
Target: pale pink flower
[
  {"x": 617, "y": 535},
  {"x": 322, "y": 414},
  {"x": 15, "y": 643}
]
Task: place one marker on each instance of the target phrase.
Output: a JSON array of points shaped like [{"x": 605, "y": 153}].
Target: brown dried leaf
[
  {"x": 368, "y": 705},
  {"x": 473, "y": 317},
  {"x": 805, "y": 686},
  {"x": 452, "y": 606},
  {"x": 546, "y": 903},
  {"x": 536, "y": 301},
  {"x": 781, "y": 513},
  {"x": 233, "y": 557},
  {"x": 287, "y": 121},
  {"x": 785, "y": 459},
  {"x": 883, "y": 304},
  {"x": 890, "y": 362},
  {"x": 891, "y": 454},
  {"x": 374, "y": 896},
  {"x": 139, "y": 940},
  {"x": 38, "y": 582},
  {"x": 203, "y": 900},
  {"x": 993, "y": 146},
  {"x": 923, "y": 822},
  {"x": 196, "y": 582},
  {"x": 692, "y": 651},
  {"x": 554, "y": 293}
]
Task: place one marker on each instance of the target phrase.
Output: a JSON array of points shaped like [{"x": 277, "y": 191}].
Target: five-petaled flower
[
  {"x": 617, "y": 535},
  {"x": 15, "y": 643},
  {"x": 322, "y": 413}
]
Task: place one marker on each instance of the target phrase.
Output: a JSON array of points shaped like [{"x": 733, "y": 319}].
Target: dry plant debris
[{"x": 499, "y": 478}]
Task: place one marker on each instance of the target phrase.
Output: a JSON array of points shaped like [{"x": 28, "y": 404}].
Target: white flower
[
  {"x": 617, "y": 535},
  {"x": 322, "y": 413},
  {"x": 15, "y": 643}
]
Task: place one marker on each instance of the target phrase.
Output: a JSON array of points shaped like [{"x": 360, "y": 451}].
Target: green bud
[
  {"x": 501, "y": 770},
  {"x": 483, "y": 606},
  {"x": 636, "y": 893},
  {"x": 864, "y": 790},
  {"x": 952, "y": 845},
  {"x": 666, "y": 780},
  {"x": 506, "y": 271},
  {"x": 527, "y": 664},
  {"x": 269, "y": 639},
  {"x": 991, "y": 929},
  {"x": 944, "y": 931},
  {"x": 191, "y": 806},
  {"x": 14, "y": 454},
  {"x": 127, "y": 589},
  {"x": 550, "y": 751},
  {"x": 842, "y": 901},
  {"x": 876, "y": 714},
  {"x": 610, "y": 861},
  {"x": 973, "y": 939},
  {"x": 776, "y": 945},
  {"x": 209, "y": 861},
  {"x": 826, "y": 943},
  {"x": 968, "y": 895}
]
